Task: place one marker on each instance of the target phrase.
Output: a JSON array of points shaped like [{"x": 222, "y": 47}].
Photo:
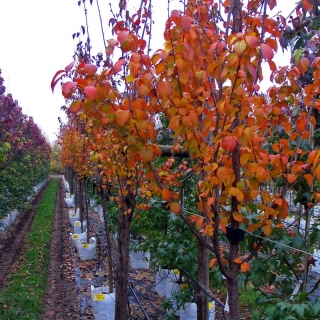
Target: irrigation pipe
[{"x": 140, "y": 305}]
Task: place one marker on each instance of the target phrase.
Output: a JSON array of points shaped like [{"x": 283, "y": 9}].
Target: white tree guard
[
  {"x": 103, "y": 303},
  {"x": 140, "y": 260}
]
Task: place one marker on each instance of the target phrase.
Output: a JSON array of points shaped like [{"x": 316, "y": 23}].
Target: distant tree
[{"x": 55, "y": 159}]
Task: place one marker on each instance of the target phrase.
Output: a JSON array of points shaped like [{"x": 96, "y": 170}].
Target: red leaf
[
  {"x": 122, "y": 36},
  {"x": 228, "y": 143},
  {"x": 69, "y": 66},
  {"x": 112, "y": 42},
  {"x": 90, "y": 92},
  {"x": 68, "y": 88},
  {"x": 117, "y": 67},
  {"x": 90, "y": 69},
  {"x": 266, "y": 51},
  {"x": 272, "y": 4},
  {"x": 55, "y": 79},
  {"x": 252, "y": 41}
]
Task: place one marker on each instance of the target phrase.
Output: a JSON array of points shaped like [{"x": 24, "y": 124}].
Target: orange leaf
[
  {"x": 122, "y": 116},
  {"x": 266, "y": 51},
  {"x": 237, "y": 261},
  {"x": 237, "y": 216},
  {"x": 212, "y": 262},
  {"x": 166, "y": 194},
  {"x": 301, "y": 122},
  {"x": 210, "y": 201},
  {"x": 303, "y": 65},
  {"x": 307, "y": 5},
  {"x": 287, "y": 127},
  {"x": 309, "y": 178},
  {"x": 245, "y": 267},
  {"x": 165, "y": 89},
  {"x": 291, "y": 178},
  {"x": 175, "y": 207},
  {"x": 75, "y": 106},
  {"x": 199, "y": 222}
]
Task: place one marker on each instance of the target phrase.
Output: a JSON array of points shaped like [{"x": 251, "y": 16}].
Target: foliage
[
  {"x": 55, "y": 159},
  {"x": 24, "y": 155},
  {"x": 246, "y": 149}
]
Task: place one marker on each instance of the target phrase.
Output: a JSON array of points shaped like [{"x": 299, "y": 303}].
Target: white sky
[{"x": 36, "y": 41}]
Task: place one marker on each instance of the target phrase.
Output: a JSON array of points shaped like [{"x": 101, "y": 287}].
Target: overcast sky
[{"x": 36, "y": 41}]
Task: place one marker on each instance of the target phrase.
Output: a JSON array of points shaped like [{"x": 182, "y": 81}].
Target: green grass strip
[{"x": 24, "y": 294}]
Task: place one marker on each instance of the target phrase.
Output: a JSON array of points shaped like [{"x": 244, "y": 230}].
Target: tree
[{"x": 206, "y": 83}]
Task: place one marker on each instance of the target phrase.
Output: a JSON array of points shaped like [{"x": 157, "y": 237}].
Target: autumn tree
[{"x": 206, "y": 82}]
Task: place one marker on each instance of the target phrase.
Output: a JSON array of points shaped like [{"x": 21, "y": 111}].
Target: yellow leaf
[
  {"x": 129, "y": 78},
  {"x": 240, "y": 46},
  {"x": 267, "y": 230}
]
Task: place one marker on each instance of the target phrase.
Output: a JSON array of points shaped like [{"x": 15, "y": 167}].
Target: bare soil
[{"x": 62, "y": 297}]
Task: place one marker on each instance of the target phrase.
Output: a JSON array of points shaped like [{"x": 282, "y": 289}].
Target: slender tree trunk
[
  {"x": 81, "y": 203},
  {"x": 86, "y": 200},
  {"x": 232, "y": 284},
  {"x": 124, "y": 228},
  {"x": 109, "y": 243},
  {"x": 203, "y": 278}
]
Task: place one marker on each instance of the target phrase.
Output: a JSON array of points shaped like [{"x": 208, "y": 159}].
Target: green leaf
[{"x": 300, "y": 309}]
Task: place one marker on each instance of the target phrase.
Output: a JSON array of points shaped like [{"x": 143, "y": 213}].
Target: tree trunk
[
  {"x": 232, "y": 284},
  {"x": 124, "y": 227},
  {"x": 86, "y": 200},
  {"x": 203, "y": 278},
  {"x": 109, "y": 243}
]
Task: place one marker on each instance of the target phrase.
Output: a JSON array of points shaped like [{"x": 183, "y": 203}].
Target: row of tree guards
[{"x": 200, "y": 93}]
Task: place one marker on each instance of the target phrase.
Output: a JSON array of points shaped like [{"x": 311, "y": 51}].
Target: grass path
[{"x": 23, "y": 294}]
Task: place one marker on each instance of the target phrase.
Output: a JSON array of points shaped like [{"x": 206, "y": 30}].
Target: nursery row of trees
[
  {"x": 189, "y": 125},
  {"x": 24, "y": 155}
]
